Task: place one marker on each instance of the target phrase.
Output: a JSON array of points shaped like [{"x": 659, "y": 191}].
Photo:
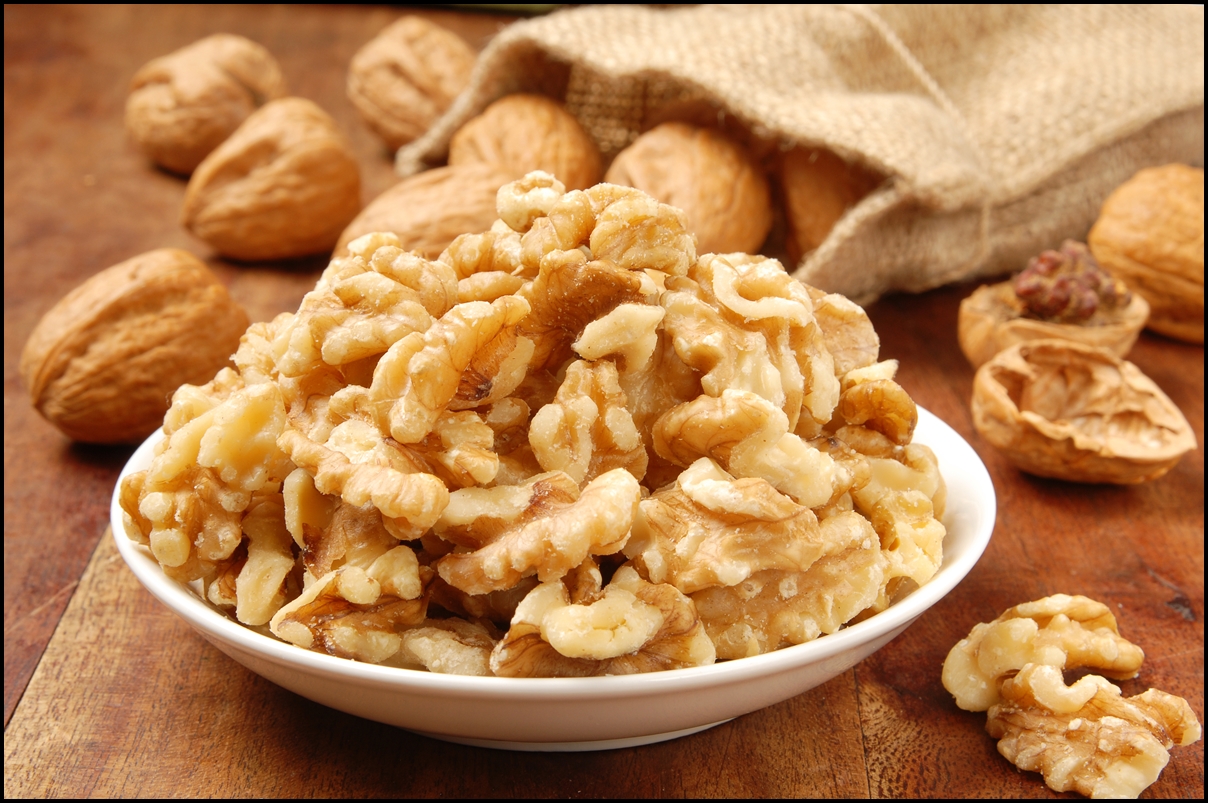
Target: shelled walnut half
[
  {"x": 1060, "y": 409},
  {"x": 1062, "y": 295}
]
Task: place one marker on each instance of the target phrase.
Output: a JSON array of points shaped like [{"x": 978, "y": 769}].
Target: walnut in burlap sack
[{"x": 1000, "y": 129}]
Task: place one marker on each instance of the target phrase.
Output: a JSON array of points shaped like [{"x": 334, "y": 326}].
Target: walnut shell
[
  {"x": 406, "y": 76},
  {"x": 819, "y": 188},
  {"x": 1061, "y": 409},
  {"x": 526, "y": 133},
  {"x": 1150, "y": 234},
  {"x": 284, "y": 185},
  {"x": 719, "y": 186},
  {"x": 431, "y": 209},
  {"x": 991, "y": 320},
  {"x": 182, "y": 105},
  {"x": 103, "y": 363}
]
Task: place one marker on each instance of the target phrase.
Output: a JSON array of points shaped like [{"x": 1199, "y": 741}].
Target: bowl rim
[{"x": 214, "y": 625}]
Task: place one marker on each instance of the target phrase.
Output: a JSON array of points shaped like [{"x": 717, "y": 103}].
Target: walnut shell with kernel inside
[
  {"x": 282, "y": 186},
  {"x": 103, "y": 363},
  {"x": 182, "y": 105},
  {"x": 717, "y": 184},
  {"x": 1061, "y": 409}
]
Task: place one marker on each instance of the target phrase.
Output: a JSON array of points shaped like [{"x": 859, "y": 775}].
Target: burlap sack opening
[{"x": 999, "y": 129}]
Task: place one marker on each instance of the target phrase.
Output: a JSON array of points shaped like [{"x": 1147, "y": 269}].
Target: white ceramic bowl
[{"x": 587, "y": 713}]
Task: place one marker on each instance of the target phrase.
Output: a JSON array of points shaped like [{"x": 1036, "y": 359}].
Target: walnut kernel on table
[
  {"x": 404, "y": 78},
  {"x": 102, "y": 364},
  {"x": 1150, "y": 233},
  {"x": 564, "y": 445},
  {"x": 182, "y": 105},
  {"x": 1084, "y": 737},
  {"x": 284, "y": 185},
  {"x": 721, "y": 189},
  {"x": 1061, "y": 295},
  {"x": 1056, "y": 408},
  {"x": 526, "y": 132}
]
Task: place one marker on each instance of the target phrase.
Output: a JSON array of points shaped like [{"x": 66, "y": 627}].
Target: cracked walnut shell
[
  {"x": 283, "y": 185},
  {"x": 1073, "y": 412},
  {"x": 103, "y": 362},
  {"x": 1150, "y": 233},
  {"x": 182, "y": 105},
  {"x": 406, "y": 76}
]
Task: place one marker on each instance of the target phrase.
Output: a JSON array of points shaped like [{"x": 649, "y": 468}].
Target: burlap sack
[{"x": 999, "y": 129}]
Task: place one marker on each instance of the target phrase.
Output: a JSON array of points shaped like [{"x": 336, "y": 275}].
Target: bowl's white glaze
[{"x": 587, "y": 713}]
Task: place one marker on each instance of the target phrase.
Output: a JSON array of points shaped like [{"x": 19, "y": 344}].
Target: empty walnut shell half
[
  {"x": 992, "y": 319},
  {"x": 1061, "y": 409},
  {"x": 1150, "y": 233}
]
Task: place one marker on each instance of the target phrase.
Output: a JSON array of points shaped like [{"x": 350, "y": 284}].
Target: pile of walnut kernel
[
  {"x": 568, "y": 446},
  {"x": 1085, "y": 737}
]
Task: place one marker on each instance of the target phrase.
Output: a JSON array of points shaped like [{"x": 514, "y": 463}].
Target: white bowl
[{"x": 587, "y": 713}]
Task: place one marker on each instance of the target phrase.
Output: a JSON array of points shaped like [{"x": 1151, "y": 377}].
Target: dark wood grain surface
[{"x": 108, "y": 694}]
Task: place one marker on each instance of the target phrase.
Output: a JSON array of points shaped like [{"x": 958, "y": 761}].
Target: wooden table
[{"x": 108, "y": 694}]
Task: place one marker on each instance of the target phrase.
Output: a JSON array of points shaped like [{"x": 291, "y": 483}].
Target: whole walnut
[
  {"x": 431, "y": 209},
  {"x": 284, "y": 185},
  {"x": 719, "y": 186},
  {"x": 1150, "y": 233},
  {"x": 182, "y": 105},
  {"x": 526, "y": 133},
  {"x": 103, "y": 363},
  {"x": 819, "y": 188},
  {"x": 406, "y": 76}
]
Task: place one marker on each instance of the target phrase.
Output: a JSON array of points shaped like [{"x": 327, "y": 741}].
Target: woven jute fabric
[{"x": 999, "y": 129}]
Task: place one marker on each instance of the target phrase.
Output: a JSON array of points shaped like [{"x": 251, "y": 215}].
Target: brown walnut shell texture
[
  {"x": 431, "y": 209},
  {"x": 1074, "y": 412},
  {"x": 1150, "y": 234},
  {"x": 819, "y": 187},
  {"x": 103, "y": 363},
  {"x": 526, "y": 133},
  {"x": 406, "y": 77},
  {"x": 990, "y": 321},
  {"x": 717, "y": 184},
  {"x": 284, "y": 185},
  {"x": 182, "y": 105}
]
